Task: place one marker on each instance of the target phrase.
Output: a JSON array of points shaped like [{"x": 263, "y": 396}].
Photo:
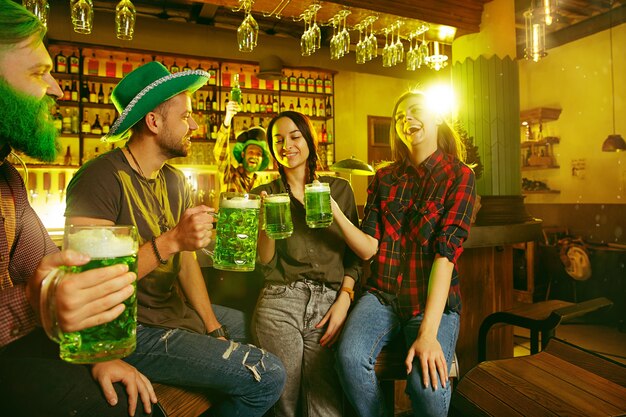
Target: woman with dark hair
[
  {"x": 417, "y": 216},
  {"x": 309, "y": 277}
]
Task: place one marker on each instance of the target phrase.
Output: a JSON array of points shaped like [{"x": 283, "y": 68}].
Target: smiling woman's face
[
  {"x": 290, "y": 147},
  {"x": 415, "y": 123}
]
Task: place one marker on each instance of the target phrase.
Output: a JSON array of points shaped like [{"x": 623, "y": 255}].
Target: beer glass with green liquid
[
  {"x": 277, "y": 216},
  {"x": 319, "y": 213},
  {"x": 105, "y": 245},
  {"x": 237, "y": 232}
]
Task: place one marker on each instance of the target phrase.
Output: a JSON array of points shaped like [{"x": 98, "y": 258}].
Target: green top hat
[
  {"x": 253, "y": 136},
  {"x": 143, "y": 89}
]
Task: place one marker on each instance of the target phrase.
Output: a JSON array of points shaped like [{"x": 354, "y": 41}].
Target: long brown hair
[
  {"x": 448, "y": 140},
  {"x": 307, "y": 130}
]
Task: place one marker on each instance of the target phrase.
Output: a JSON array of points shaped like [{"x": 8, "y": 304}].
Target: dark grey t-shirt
[{"x": 108, "y": 188}]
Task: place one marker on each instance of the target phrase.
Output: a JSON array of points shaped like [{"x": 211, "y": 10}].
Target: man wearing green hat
[
  {"x": 34, "y": 381},
  {"x": 250, "y": 152},
  {"x": 181, "y": 338}
]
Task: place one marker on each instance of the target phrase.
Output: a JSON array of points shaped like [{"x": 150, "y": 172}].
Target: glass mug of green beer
[
  {"x": 105, "y": 245},
  {"x": 237, "y": 232},
  {"x": 317, "y": 204},
  {"x": 277, "y": 216}
]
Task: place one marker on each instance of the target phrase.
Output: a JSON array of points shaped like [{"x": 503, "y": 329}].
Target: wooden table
[{"x": 563, "y": 379}]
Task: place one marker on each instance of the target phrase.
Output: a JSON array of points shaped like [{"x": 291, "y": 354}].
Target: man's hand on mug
[{"x": 194, "y": 230}]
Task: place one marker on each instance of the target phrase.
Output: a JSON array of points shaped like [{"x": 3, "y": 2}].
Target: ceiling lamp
[
  {"x": 39, "y": 8},
  {"x": 548, "y": 8},
  {"x": 535, "y": 35},
  {"x": 614, "y": 142},
  {"x": 125, "y": 20},
  {"x": 438, "y": 59}
]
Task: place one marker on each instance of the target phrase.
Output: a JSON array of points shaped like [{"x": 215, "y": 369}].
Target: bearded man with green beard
[{"x": 34, "y": 381}]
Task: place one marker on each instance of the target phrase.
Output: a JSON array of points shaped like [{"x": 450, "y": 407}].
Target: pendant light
[{"x": 614, "y": 142}]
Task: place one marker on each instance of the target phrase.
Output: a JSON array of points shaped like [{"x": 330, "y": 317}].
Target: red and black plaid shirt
[{"x": 416, "y": 214}]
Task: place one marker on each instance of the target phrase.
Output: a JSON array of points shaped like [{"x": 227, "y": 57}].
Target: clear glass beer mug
[
  {"x": 319, "y": 212},
  {"x": 237, "y": 232},
  {"x": 105, "y": 245},
  {"x": 277, "y": 216}
]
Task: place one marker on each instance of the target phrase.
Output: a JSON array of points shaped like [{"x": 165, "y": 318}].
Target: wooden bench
[
  {"x": 563, "y": 379},
  {"x": 179, "y": 402}
]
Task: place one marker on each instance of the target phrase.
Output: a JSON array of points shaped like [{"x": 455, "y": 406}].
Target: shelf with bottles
[{"x": 537, "y": 147}]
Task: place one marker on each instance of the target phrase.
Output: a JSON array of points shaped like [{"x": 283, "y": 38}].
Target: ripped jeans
[{"x": 247, "y": 380}]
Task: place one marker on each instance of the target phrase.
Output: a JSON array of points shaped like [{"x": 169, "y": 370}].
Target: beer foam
[
  {"x": 102, "y": 243},
  {"x": 317, "y": 187},
  {"x": 240, "y": 203},
  {"x": 277, "y": 199}
]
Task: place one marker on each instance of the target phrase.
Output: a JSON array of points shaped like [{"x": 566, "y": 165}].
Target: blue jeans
[
  {"x": 371, "y": 326},
  {"x": 248, "y": 379},
  {"x": 284, "y": 324}
]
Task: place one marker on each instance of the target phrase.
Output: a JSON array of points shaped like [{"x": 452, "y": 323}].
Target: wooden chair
[
  {"x": 179, "y": 402},
  {"x": 540, "y": 318}
]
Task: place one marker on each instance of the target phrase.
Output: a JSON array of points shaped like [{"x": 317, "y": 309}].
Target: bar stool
[
  {"x": 540, "y": 318},
  {"x": 179, "y": 402}
]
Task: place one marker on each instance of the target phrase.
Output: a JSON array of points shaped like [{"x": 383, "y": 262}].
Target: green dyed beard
[
  {"x": 250, "y": 169},
  {"x": 26, "y": 123}
]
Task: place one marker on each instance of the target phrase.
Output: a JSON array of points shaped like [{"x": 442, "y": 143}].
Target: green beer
[
  {"x": 317, "y": 204},
  {"x": 277, "y": 215},
  {"x": 106, "y": 245},
  {"x": 237, "y": 231}
]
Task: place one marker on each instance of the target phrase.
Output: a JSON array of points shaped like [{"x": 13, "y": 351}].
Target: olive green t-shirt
[
  {"x": 108, "y": 188},
  {"x": 316, "y": 254}
]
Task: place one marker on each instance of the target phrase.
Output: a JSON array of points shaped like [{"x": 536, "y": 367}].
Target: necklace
[{"x": 162, "y": 219}]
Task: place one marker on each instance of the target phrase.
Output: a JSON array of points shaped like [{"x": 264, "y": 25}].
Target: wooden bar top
[{"x": 563, "y": 379}]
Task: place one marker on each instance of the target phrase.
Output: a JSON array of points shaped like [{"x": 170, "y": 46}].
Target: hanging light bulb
[
  {"x": 614, "y": 142},
  {"x": 438, "y": 59},
  {"x": 125, "y": 20},
  {"x": 535, "y": 36},
  {"x": 549, "y": 11}
]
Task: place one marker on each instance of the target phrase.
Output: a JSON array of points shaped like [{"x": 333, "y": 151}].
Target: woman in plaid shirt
[{"x": 416, "y": 219}]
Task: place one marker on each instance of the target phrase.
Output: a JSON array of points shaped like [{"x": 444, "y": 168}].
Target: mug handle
[{"x": 47, "y": 304}]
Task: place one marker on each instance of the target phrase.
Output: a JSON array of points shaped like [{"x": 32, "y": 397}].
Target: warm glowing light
[{"x": 440, "y": 98}]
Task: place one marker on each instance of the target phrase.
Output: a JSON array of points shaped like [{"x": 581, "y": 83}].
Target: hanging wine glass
[
  {"x": 39, "y": 8},
  {"x": 125, "y": 20},
  {"x": 315, "y": 29},
  {"x": 386, "y": 50},
  {"x": 82, "y": 16},
  {"x": 247, "y": 34},
  {"x": 399, "y": 48}
]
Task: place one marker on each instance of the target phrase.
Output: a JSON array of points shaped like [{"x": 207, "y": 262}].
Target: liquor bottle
[
  {"x": 319, "y": 85},
  {"x": 207, "y": 103},
  {"x": 291, "y": 105},
  {"x": 282, "y": 106},
  {"x": 260, "y": 104},
  {"x": 275, "y": 106},
  {"x": 110, "y": 67},
  {"x": 306, "y": 109},
  {"x": 93, "y": 66},
  {"x": 96, "y": 128},
  {"x": 186, "y": 67},
  {"x": 74, "y": 122},
  {"x": 84, "y": 92},
  {"x": 293, "y": 82},
  {"x": 106, "y": 126},
  {"x": 321, "y": 110},
  {"x": 107, "y": 99},
  {"x": 214, "y": 104},
  {"x": 66, "y": 122},
  {"x": 225, "y": 102},
  {"x": 85, "y": 127},
  {"x": 269, "y": 106},
  {"x": 74, "y": 91},
  {"x": 67, "y": 159},
  {"x": 243, "y": 81},
  {"x": 248, "y": 104},
  {"x": 57, "y": 120},
  {"x": 93, "y": 97},
  {"x": 226, "y": 77},
  {"x": 100, "y": 95},
  {"x": 235, "y": 91},
  {"x": 254, "y": 80},
  {"x": 127, "y": 67},
  {"x": 313, "y": 110},
  {"x": 329, "y": 108},
  {"x": 200, "y": 103},
  {"x": 284, "y": 83},
  {"x": 214, "y": 132},
  {"x": 269, "y": 85},
  {"x": 67, "y": 92},
  {"x": 174, "y": 68},
  {"x": 298, "y": 108},
  {"x": 301, "y": 84},
  {"x": 328, "y": 85},
  {"x": 310, "y": 84},
  {"x": 60, "y": 63},
  {"x": 257, "y": 105},
  {"x": 74, "y": 63},
  {"x": 213, "y": 75}
]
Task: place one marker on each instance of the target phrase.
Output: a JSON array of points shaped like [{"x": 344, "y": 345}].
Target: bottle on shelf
[
  {"x": 225, "y": 101},
  {"x": 301, "y": 84},
  {"x": 84, "y": 92},
  {"x": 243, "y": 80},
  {"x": 213, "y": 75},
  {"x": 319, "y": 85},
  {"x": 93, "y": 97},
  {"x": 67, "y": 92},
  {"x": 226, "y": 77},
  {"x": 321, "y": 109},
  {"x": 284, "y": 83},
  {"x": 269, "y": 106},
  {"x": 324, "y": 134},
  {"x": 282, "y": 106},
  {"x": 313, "y": 109},
  {"x": 248, "y": 104},
  {"x": 107, "y": 99},
  {"x": 85, "y": 127},
  {"x": 200, "y": 103},
  {"x": 291, "y": 105},
  {"x": 293, "y": 82},
  {"x": 74, "y": 63},
  {"x": 306, "y": 109},
  {"x": 254, "y": 80},
  {"x": 186, "y": 67},
  {"x": 174, "y": 68},
  {"x": 310, "y": 84},
  {"x": 275, "y": 106},
  {"x": 127, "y": 67},
  {"x": 57, "y": 120},
  {"x": 329, "y": 108},
  {"x": 110, "y": 67},
  {"x": 74, "y": 91},
  {"x": 214, "y": 132},
  {"x": 66, "y": 122},
  {"x": 257, "y": 104},
  {"x": 96, "y": 127},
  {"x": 328, "y": 85},
  {"x": 100, "y": 95},
  {"x": 93, "y": 65},
  {"x": 214, "y": 103},
  {"x": 207, "y": 103},
  {"x": 235, "y": 91},
  {"x": 298, "y": 108},
  {"x": 67, "y": 159},
  {"x": 106, "y": 125},
  {"x": 74, "y": 122},
  {"x": 60, "y": 63}
]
